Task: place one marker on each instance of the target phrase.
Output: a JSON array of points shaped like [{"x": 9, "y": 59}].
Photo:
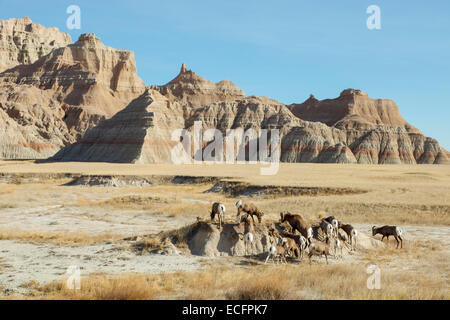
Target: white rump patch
[
  {"x": 335, "y": 223},
  {"x": 309, "y": 233}
]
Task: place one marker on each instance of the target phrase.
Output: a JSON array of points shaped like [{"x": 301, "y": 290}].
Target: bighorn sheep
[
  {"x": 219, "y": 210},
  {"x": 298, "y": 223},
  {"x": 338, "y": 245},
  {"x": 302, "y": 244},
  {"x": 278, "y": 252},
  {"x": 250, "y": 209},
  {"x": 352, "y": 234},
  {"x": 388, "y": 231},
  {"x": 327, "y": 228},
  {"x": 319, "y": 248},
  {"x": 290, "y": 245},
  {"x": 248, "y": 239},
  {"x": 335, "y": 223},
  {"x": 249, "y": 231}
]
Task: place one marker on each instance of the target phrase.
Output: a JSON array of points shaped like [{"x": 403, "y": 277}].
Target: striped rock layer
[
  {"x": 50, "y": 103},
  {"x": 142, "y": 131}
]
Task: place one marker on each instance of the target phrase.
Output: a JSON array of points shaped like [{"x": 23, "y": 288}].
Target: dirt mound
[
  {"x": 365, "y": 242},
  {"x": 137, "y": 181},
  {"x": 205, "y": 239},
  {"x": 236, "y": 189},
  {"x": 19, "y": 178},
  {"x": 110, "y": 181}
]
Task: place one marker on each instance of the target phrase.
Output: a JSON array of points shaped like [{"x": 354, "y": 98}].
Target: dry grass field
[{"x": 53, "y": 225}]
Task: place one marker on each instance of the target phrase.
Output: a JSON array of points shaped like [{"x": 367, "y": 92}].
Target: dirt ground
[{"x": 47, "y": 225}]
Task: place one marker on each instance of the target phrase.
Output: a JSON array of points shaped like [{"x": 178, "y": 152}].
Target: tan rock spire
[{"x": 183, "y": 68}]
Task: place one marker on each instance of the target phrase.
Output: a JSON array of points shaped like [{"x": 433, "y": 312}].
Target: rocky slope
[
  {"x": 194, "y": 91},
  {"x": 353, "y": 109},
  {"x": 134, "y": 134},
  {"x": 23, "y": 41},
  {"x": 50, "y": 103},
  {"x": 140, "y": 133},
  {"x": 375, "y": 131}
]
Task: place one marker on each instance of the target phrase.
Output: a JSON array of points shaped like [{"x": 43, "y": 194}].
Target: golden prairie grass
[
  {"x": 132, "y": 202},
  {"x": 123, "y": 287},
  {"x": 397, "y": 194},
  {"x": 264, "y": 282},
  {"x": 348, "y": 210},
  {"x": 421, "y": 256},
  {"x": 184, "y": 209},
  {"x": 59, "y": 237}
]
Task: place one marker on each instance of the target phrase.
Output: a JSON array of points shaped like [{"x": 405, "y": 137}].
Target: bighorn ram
[
  {"x": 298, "y": 223},
  {"x": 249, "y": 231},
  {"x": 388, "y": 231},
  {"x": 351, "y": 232},
  {"x": 219, "y": 210},
  {"x": 319, "y": 248},
  {"x": 250, "y": 209}
]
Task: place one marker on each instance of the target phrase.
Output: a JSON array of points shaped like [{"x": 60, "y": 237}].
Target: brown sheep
[
  {"x": 291, "y": 246},
  {"x": 351, "y": 232},
  {"x": 335, "y": 223},
  {"x": 327, "y": 228},
  {"x": 299, "y": 224},
  {"x": 278, "y": 252},
  {"x": 388, "y": 231},
  {"x": 219, "y": 210},
  {"x": 319, "y": 248},
  {"x": 249, "y": 232},
  {"x": 250, "y": 209}
]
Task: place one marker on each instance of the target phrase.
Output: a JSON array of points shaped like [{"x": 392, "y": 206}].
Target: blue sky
[{"x": 281, "y": 49}]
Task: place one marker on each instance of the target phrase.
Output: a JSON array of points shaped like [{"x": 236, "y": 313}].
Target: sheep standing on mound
[
  {"x": 298, "y": 223},
  {"x": 219, "y": 210},
  {"x": 250, "y": 209},
  {"x": 249, "y": 231},
  {"x": 388, "y": 231}
]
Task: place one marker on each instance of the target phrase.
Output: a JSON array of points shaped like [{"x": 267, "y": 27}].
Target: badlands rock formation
[
  {"x": 377, "y": 134},
  {"x": 140, "y": 133},
  {"x": 85, "y": 102},
  {"x": 50, "y": 103},
  {"x": 353, "y": 109},
  {"x": 374, "y": 130},
  {"x": 194, "y": 91},
  {"x": 23, "y": 41}
]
